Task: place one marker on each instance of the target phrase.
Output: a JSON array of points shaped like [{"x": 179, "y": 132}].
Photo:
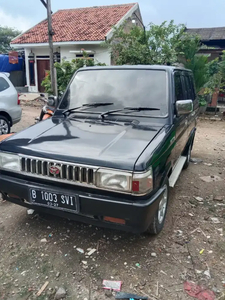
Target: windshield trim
[
  {"x": 88, "y": 69},
  {"x": 116, "y": 114}
]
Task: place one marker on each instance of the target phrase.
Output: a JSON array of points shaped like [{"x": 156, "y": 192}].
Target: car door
[
  {"x": 8, "y": 94},
  {"x": 180, "y": 122}
]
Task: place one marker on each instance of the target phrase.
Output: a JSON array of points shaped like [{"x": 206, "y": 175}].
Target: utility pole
[{"x": 51, "y": 50}]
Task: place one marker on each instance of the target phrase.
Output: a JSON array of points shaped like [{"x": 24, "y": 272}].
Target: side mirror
[
  {"x": 184, "y": 107},
  {"x": 52, "y": 101}
]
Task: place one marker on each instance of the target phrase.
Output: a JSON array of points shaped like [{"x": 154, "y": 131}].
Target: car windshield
[{"x": 122, "y": 87}]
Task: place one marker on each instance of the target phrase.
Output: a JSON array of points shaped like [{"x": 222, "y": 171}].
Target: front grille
[{"x": 58, "y": 170}]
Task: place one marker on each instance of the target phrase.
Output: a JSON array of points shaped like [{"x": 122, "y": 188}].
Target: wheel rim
[
  {"x": 163, "y": 206},
  {"x": 4, "y": 128}
]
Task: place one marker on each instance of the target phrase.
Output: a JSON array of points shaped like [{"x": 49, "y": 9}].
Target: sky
[{"x": 193, "y": 13}]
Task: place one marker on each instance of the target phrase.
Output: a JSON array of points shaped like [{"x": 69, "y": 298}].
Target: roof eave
[
  {"x": 121, "y": 21},
  {"x": 33, "y": 45}
]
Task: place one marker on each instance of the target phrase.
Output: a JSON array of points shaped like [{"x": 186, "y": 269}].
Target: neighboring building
[
  {"x": 74, "y": 29},
  {"x": 213, "y": 38}
]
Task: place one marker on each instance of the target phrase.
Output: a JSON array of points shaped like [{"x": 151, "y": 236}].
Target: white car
[{"x": 10, "y": 110}]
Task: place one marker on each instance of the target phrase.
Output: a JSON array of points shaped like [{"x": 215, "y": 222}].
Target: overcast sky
[{"x": 193, "y": 13}]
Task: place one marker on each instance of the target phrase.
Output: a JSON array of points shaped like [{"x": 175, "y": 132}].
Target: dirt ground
[{"x": 191, "y": 247}]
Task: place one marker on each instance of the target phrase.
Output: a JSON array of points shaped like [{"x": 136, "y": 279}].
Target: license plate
[{"x": 54, "y": 200}]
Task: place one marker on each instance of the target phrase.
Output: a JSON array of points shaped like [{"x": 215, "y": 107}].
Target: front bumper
[{"x": 138, "y": 214}]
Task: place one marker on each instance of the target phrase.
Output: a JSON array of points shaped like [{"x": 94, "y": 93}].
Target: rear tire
[
  {"x": 4, "y": 125},
  {"x": 159, "y": 219}
]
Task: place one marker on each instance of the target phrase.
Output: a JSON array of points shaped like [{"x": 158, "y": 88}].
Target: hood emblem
[{"x": 54, "y": 170}]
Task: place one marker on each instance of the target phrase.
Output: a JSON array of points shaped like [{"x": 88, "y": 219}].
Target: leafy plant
[
  {"x": 65, "y": 71},
  {"x": 202, "y": 100},
  {"x": 6, "y": 35},
  {"x": 216, "y": 75},
  {"x": 158, "y": 44},
  {"x": 198, "y": 65}
]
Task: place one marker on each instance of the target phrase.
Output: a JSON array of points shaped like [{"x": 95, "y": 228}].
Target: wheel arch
[
  {"x": 6, "y": 115},
  {"x": 190, "y": 141}
]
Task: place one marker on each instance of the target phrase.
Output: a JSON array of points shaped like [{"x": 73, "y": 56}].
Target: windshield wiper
[
  {"x": 87, "y": 105},
  {"x": 130, "y": 109}
]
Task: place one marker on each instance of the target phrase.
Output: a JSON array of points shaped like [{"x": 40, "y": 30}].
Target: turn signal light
[
  {"x": 13, "y": 196},
  {"x": 115, "y": 220}
]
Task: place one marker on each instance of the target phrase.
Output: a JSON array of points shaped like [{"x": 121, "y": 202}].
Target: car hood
[{"x": 97, "y": 143}]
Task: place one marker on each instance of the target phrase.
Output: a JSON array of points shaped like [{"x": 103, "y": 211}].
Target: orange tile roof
[{"x": 80, "y": 24}]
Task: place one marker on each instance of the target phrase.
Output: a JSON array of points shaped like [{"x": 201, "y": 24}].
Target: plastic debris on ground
[
  {"x": 128, "y": 296},
  {"x": 92, "y": 251},
  {"x": 198, "y": 292},
  {"x": 207, "y": 274},
  {"x": 215, "y": 220},
  {"x": 218, "y": 198},
  {"x": 80, "y": 250},
  {"x": 199, "y": 199},
  {"x": 42, "y": 289},
  {"x": 201, "y": 252},
  {"x": 30, "y": 211},
  {"x": 211, "y": 178},
  {"x": 112, "y": 285},
  {"x": 60, "y": 294},
  {"x": 153, "y": 254},
  {"x": 44, "y": 240},
  {"x": 196, "y": 160}
]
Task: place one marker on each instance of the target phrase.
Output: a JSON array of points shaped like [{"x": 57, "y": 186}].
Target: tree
[
  {"x": 158, "y": 44},
  {"x": 65, "y": 71},
  {"x": 165, "y": 44},
  {"x": 192, "y": 60},
  {"x": 216, "y": 75},
  {"x": 6, "y": 35}
]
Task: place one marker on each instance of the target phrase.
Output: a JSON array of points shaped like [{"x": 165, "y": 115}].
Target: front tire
[
  {"x": 159, "y": 219},
  {"x": 4, "y": 125}
]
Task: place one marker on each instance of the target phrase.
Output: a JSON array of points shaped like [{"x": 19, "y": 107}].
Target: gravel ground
[{"x": 191, "y": 247}]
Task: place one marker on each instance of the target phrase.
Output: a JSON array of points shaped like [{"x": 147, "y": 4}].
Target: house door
[{"x": 43, "y": 66}]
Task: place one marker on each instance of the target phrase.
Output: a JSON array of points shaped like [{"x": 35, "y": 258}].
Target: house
[
  {"x": 74, "y": 29},
  {"x": 213, "y": 45},
  {"x": 212, "y": 38}
]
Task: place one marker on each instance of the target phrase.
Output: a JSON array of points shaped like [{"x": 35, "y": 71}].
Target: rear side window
[
  {"x": 3, "y": 84},
  {"x": 188, "y": 88},
  {"x": 192, "y": 86},
  {"x": 179, "y": 95}
]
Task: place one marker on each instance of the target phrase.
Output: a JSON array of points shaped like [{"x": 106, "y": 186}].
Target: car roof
[
  {"x": 137, "y": 67},
  {"x": 4, "y": 74}
]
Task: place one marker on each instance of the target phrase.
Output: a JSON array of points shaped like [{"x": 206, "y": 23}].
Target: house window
[
  {"x": 82, "y": 56},
  {"x": 31, "y": 71}
]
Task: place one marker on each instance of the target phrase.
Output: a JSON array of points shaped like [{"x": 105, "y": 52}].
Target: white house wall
[
  {"x": 101, "y": 55},
  {"x": 37, "y": 52}
]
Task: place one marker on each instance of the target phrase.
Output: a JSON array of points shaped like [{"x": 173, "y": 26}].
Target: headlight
[
  {"x": 136, "y": 183},
  {"x": 9, "y": 161},
  {"x": 113, "y": 180}
]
